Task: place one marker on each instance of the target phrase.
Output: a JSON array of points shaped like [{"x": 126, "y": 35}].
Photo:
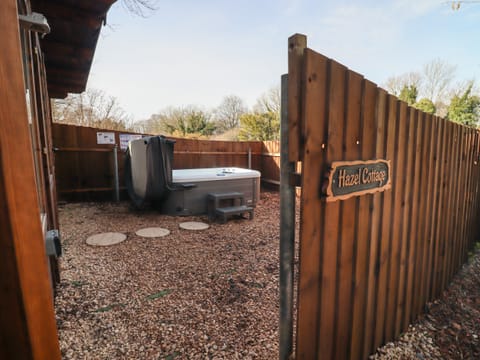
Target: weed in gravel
[{"x": 159, "y": 294}]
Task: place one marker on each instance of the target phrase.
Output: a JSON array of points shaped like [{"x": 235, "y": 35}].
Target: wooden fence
[
  {"x": 85, "y": 169},
  {"x": 369, "y": 264}
]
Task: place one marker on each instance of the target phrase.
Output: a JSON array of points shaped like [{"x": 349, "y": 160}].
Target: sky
[{"x": 191, "y": 52}]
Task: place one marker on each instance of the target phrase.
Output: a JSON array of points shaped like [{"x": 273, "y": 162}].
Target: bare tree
[
  {"x": 269, "y": 101},
  {"x": 91, "y": 108},
  {"x": 437, "y": 78},
  {"x": 227, "y": 114},
  {"x": 395, "y": 84},
  {"x": 140, "y": 7}
]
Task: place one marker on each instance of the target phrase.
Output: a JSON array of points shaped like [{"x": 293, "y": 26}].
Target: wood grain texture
[
  {"x": 360, "y": 284},
  {"x": 383, "y": 257},
  {"x": 33, "y": 330},
  {"x": 296, "y": 46},
  {"x": 346, "y": 250},
  {"x": 331, "y": 231},
  {"x": 369, "y": 264},
  {"x": 316, "y": 84}
]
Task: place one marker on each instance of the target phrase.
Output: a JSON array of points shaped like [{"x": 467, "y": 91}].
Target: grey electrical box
[{"x": 52, "y": 243}]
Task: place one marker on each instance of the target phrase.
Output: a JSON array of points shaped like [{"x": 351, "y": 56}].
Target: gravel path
[
  {"x": 208, "y": 294},
  {"x": 450, "y": 329}
]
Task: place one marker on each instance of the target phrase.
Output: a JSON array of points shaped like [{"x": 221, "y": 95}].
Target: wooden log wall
[
  {"x": 85, "y": 170},
  {"x": 370, "y": 263}
]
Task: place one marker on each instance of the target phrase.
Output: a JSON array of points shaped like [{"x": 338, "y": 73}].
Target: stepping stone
[
  {"x": 106, "y": 239},
  {"x": 153, "y": 232},
  {"x": 193, "y": 225}
]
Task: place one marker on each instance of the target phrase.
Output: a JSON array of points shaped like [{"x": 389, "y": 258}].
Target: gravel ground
[
  {"x": 450, "y": 329},
  {"x": 209, "y": 294}
]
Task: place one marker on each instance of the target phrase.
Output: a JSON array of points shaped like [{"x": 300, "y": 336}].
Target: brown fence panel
[
  {"x": 85, "y": 169},
  {"x": 369, "y": 263},
  {"x": 271, "y": 162}
]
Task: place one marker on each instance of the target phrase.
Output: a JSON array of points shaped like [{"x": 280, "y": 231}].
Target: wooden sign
[{"x": 355, "y": 178}]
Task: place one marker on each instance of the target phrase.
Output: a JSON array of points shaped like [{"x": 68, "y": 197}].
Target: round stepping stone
[
  {"x": 106, "y": 239},
  {"x": 193, "y": 225},
  {"x": 153, "y": 232}
]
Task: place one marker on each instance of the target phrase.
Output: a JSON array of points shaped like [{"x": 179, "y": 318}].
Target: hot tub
[
  {"x": 151, "y": 181},
  {"x": 191, "y": 197}
]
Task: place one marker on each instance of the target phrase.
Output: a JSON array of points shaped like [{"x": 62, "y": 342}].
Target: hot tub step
[
  {"x": 234, "y": 210},
  {"x": 217, "y": 200}
]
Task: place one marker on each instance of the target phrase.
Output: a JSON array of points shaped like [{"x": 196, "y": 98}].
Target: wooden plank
[
  {"x": 396, "y": 218},
  {"x": 71, "y": 149},
  {"x": 447, "y": 218},
  {"x": 472, "y": 200},
  {"x": 311, "y": 222},
  {"x": 362, "y": 281},
  {"x": 375, "y": 237},
  {"x": 440, "y": 206},
  {"x": 26, "y": 301},
  {"x": 467, "y": 195},
  {"x": 458, "y": 201},
  {"x": 415, "y": 254},
  {"x": 385, "y": 232},
  {"x": 348, "y": 222},
  {"x": 472, "y": 229},
  {"x": 451, "y": 212},
  {"x": 296, "y": 46},
  {"x": 434, "y": 197},
  {"x": 463, "y": 197},
  {"x": 331, "y": 231},
  {"x": 429, "y": 196},
  {"x": 453, "y": 204},
  {"x": 406, "y": 241},
  {"x": 420, "y": 237}
]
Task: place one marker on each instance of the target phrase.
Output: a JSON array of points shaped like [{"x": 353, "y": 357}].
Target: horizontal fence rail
[
  {"x": 85, "y": 170},
  {"x": 369, "y": 263}
]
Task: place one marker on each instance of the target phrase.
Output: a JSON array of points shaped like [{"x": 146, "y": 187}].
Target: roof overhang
[{"x": 69, "y": 47}]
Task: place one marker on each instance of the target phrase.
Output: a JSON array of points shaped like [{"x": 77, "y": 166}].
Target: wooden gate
[{"x": 369, "y": 263}]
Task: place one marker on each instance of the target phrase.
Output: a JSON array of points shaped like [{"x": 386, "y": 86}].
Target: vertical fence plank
[
  {"x": 311, "y": 224},
  {"x": 402, "y": 208},
  {"x": 430, "y": 192},
  {"x": 453, "y": 205},
  {"x": 446, "y": 219},
  {"x": 416, "y": 230},
  {"x": 332, "y": 231},
  {"x": 471, "y": 189},
  {"x": 416, "y": 126},
  {"x": 406, "y": 240},
  {"x": 384, "y": 248},
  {"x": 398, "y": 186},
  {"x": 439, "y": 207},
  {"x": 362, "y": 281},
  {"x": 375, "y": 238},
  {"x": 458, "y": 219},
  {"x": 296, "y": 46},
  {"x": 420, "y": 238},
  {"x": 466, "y": 196},
  {"x": 348, "y": 221}
]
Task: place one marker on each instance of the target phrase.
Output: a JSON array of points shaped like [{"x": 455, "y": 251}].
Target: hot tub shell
[
  {"x": 182, "y": 191},
  {"x": 193, "y": 200}
]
